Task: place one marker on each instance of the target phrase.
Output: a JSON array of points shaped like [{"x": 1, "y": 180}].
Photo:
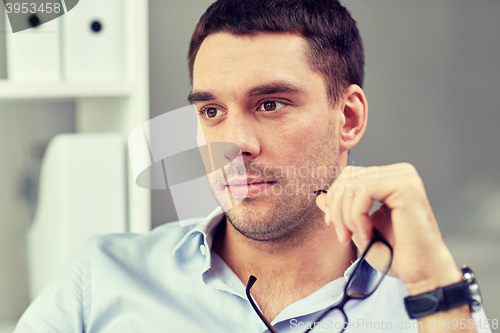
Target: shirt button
[{"x": 203, "y": 249}]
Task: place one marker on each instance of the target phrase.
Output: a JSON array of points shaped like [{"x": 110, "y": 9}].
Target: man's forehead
[
  {"x": 266, "y": 61},
  {"x": 225, "y": 52}
]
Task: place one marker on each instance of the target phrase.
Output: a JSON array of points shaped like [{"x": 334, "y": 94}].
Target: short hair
[{"x": 336, "y": 48}]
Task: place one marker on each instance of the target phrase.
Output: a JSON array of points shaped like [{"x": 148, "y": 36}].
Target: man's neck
[{"x": 287, "y": 270}]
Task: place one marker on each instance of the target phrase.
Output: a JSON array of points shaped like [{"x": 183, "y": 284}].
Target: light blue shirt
[{"x": 170, "y": 281}]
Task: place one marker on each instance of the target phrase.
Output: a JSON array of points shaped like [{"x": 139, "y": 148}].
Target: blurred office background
[{"x": 432, "y": 78}]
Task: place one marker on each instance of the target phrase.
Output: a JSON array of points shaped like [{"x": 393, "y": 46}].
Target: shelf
[
  {"x": 14, "y": 90},
  {"x": 119, "y": 106}
]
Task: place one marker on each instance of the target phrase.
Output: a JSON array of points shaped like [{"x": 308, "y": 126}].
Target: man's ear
[{"x": 353, "y": 118}]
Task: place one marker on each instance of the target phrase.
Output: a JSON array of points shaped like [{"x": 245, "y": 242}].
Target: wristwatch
[{"x": 445, "y": 298}]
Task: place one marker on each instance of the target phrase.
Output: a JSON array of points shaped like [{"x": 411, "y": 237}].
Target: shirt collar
[
  {"x": 348, "y": 272},
  {"x": 205, "y": 227}
]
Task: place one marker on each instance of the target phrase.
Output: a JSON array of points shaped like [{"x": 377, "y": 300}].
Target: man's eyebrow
[
  {"x": 265, "y": 89},
  {"x": 200, "y": 96},
  {"x": 275, "y": 88}
]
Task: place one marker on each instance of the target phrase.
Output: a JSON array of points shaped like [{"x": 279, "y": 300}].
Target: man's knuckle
[{"x": 408, "y": 167}]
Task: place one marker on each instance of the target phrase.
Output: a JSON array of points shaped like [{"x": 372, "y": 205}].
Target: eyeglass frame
[{"x": 345, "y": 297}]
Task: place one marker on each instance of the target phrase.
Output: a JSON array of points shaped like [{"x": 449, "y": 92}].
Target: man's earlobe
[{"x": 354, "y": 119}]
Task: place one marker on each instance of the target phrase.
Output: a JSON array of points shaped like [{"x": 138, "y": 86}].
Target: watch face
[{"x": 475, "y": 294}]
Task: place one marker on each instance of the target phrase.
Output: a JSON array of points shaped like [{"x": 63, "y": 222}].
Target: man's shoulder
[{"x": 108, "y": 272}]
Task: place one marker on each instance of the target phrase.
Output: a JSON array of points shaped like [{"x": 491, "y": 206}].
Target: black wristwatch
[{"x": 445, "y": 298}]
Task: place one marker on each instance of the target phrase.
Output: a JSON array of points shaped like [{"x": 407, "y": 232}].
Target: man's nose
[{"x": 241, "y": 129}]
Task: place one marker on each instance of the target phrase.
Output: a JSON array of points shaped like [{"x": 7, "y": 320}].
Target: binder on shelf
[
  {"x": 33, "y": 55},
  {"x": 92, "y": 41}
]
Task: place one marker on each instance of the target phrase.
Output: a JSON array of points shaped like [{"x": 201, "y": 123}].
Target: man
[{"x": 282, "y": 80}]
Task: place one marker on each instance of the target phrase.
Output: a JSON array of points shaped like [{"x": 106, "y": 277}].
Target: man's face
[{"x": 260, "y": 93}]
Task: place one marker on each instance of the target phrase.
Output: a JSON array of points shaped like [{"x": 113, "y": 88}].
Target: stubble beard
[{"x": 286, "y": 217}]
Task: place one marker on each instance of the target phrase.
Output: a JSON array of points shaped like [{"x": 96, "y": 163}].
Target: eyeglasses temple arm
[{"x": 251, "y": 281}]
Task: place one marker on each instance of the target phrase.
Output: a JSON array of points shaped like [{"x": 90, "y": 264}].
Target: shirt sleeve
[
  {"x": 482, "y": 324},
  {"x": 60, "y": 307}
]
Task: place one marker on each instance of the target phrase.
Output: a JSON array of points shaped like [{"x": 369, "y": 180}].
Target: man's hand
[{"x": 421, "y": 259}]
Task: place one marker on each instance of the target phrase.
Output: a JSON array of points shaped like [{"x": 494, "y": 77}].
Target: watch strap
[{"x": 440, "y": 299}]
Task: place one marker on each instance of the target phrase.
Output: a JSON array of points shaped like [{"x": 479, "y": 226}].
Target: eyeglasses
[{"x": 363, "y": 282}]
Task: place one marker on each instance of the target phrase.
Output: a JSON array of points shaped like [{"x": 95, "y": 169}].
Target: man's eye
[
  {"x": 212, "y": 112},
  {"x": 270, "y": 106}
]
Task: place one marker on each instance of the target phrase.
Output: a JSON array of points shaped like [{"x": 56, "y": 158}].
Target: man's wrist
[
  {"x": 438, "y": 279},
  {"x": 463, "y": 297}
]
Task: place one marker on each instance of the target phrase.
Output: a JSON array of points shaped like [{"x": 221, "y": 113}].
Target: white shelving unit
[
  {"x": 109, "y": 106},
  {"x": 13, "y": 91}
]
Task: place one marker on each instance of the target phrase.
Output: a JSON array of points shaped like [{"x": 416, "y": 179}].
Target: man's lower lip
[{"x": 250, "y": 190}]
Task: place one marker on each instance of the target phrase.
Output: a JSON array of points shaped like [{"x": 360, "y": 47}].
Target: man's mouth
[{"x": 248, "y": 187}]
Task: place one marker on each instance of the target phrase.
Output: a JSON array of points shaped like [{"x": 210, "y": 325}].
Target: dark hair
[{"x": 336, "y": 49}]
